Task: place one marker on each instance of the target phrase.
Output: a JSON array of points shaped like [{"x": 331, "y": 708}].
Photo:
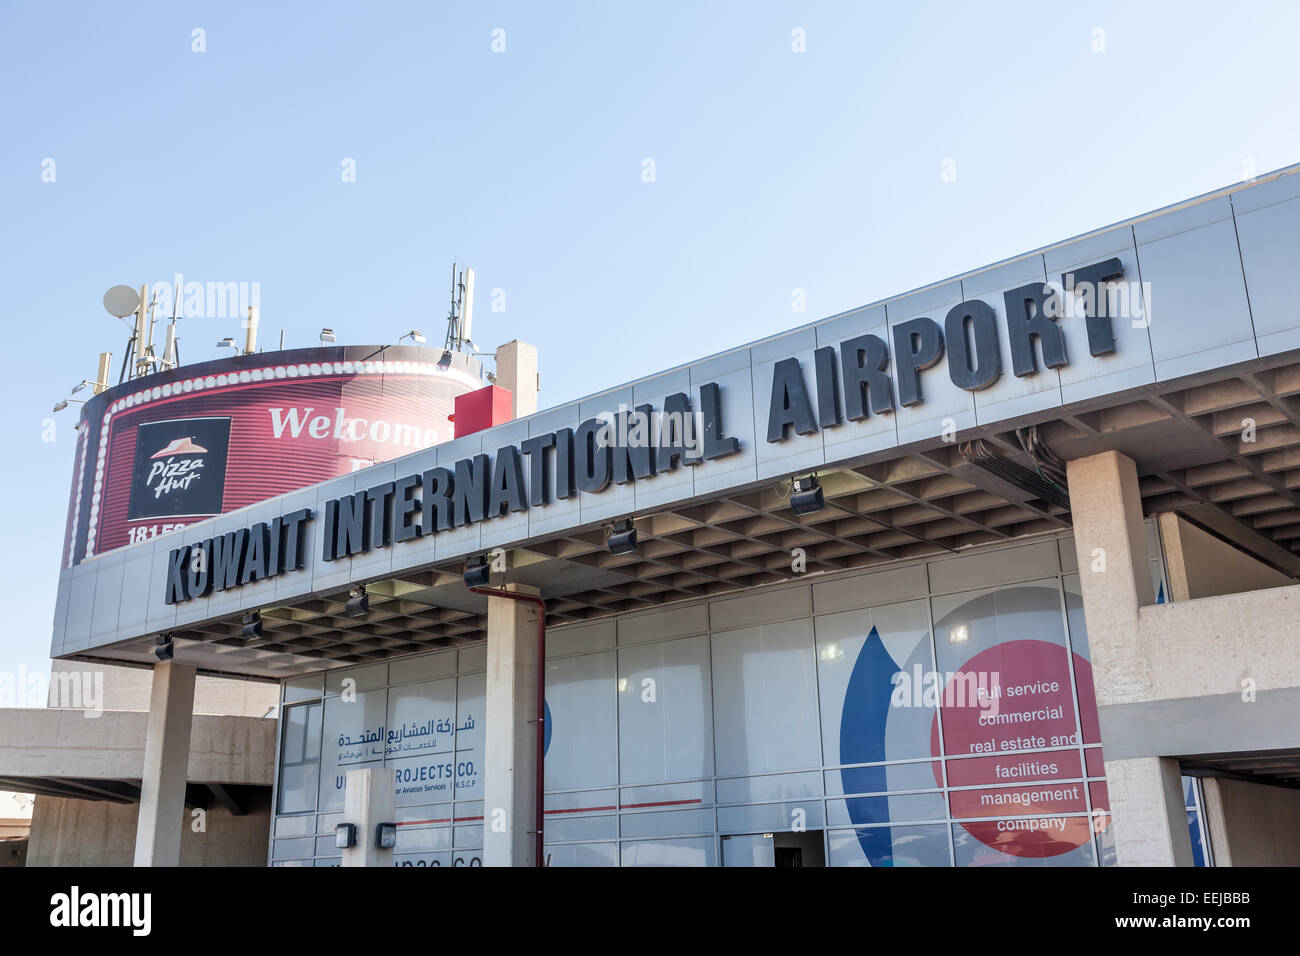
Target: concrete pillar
[
  {"x": 517, "y": 371},
  {"x": 1147, "y": 812},
  {"x": 510, "y": 764},
  {"x": 161, "y": 821},
  {"x": 1114, "y": 573},
  {"x": 368, "y": 802}
]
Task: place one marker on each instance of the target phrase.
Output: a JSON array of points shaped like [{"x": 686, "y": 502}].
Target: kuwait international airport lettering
[
  {"x": 586, "y": 459},
  {"x": 859, "y": 383},
  {"x": 621, "y": 448}
]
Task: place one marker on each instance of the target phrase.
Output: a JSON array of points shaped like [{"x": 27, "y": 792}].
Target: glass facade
[{"x": 932, "y": 713}]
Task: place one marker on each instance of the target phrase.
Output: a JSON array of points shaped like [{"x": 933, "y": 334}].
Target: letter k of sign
[{"x": 176, "y": 574}]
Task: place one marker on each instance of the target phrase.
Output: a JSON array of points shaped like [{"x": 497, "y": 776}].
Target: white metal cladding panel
[
  {"x": 580, "y": 639},
  {"x": 875, "y": 432},
  {"x": 777, "y": 604},
  {"x": 615, "y": 500},
  {"x": 560, "y": 513},
  {"x": 797, "y": 451},
  {"x": 1130, "y": 365},
  {"x": 424, "y": 667},
  {"x": 943, "y": 401},
  {"x": 661, "y": 625},
  {"x": 514, "y": 524},
  {"x": 870, "y": 589},
  {"x": 976, "y": 570},
  {"x": 1199, "y": 314},
  {"x": 1010, "y": 396},
  {"x": 734, "y": 377},
  {"x": 1268, "y": 232},
  {"x": 678, "y": 484}
]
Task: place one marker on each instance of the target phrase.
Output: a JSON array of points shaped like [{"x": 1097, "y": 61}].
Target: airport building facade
[{"x": 1002, "y": 571}]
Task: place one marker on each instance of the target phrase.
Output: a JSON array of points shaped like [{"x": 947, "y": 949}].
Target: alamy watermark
[
  {"x": 70, "y": 690},
  {"x": 205, "y": 300}
]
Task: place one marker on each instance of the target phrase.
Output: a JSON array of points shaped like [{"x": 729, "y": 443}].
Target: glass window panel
[
  {"x": 562, "y": 828},
  {"x": 1024, "y": 841},
  {"x": 748, "y": 849},
  {"x": 421, "y": 859},
  {"x": 582, "y": 727},
  {"x": 299, "y": 777},
  {"x": 799, "y": 815},
  {"x": 693, "y": 852},
  {"x": 778, "y": 786},
  {"x": 889, "y": 846},
  {"x": 666, "y": 823},
  {"x": 892, "y": 808},
  {"x": 665, "y": 711},
  {"x": 1084, "y": 686},
  {"x": 471, "y": 705},
  {"x": 353, "y": 737},
  {"x": 866, "y": 660},
  {"x": 890, "y": 777},
  {"x": 1010, "y": 686},
  {"x": 765, "y": 698},
  {"x": 583, "y": 854}
]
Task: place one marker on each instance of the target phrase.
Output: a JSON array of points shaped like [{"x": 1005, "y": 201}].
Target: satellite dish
[{"x": 121, "y": 300}]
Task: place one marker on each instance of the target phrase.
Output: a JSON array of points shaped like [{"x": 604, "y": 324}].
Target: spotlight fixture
[
  {"x": 252, "y": 625},
  {"x": 228, "y": 343},
  {"x": 806, "y": 496},
  {"x": 345, "y": 836},
  {"x": 415, "y": 335},
  {"x": 622, "y": 537},
  {"x": 358, "y": 602},
  {"x": 165, "y": 649},
  {"x": 477, "y": 573},
  {"x": 326, "y": 335},
  {"x": 61, "y": 405}
]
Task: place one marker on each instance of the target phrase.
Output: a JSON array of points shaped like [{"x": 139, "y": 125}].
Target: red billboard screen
[{"x": 162, "y": 452}]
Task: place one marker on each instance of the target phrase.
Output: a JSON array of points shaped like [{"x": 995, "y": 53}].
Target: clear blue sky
[{"x": 775, "y": 170}]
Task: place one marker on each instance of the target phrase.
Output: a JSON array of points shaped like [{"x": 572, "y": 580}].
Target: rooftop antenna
[
  {"x": 461, "y": 316},
  {"x": 171, "y": 349},
  {"x": 146, "y": 361},
  {"x": 121, "y": 301}
]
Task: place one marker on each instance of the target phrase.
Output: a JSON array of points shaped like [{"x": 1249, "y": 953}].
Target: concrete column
[
  {"x": 510, "y": 764},
  {"x": 166, "y": 763},
  {"x": 517, "y": 371},
  {"x": 1147, "y": 812},
  {"x": 368, "y": 802},
  {"x": 1114, "y": 573}
]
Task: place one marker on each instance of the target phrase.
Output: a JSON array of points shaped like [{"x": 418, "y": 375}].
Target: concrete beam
[{"x": 64, "y": 744}]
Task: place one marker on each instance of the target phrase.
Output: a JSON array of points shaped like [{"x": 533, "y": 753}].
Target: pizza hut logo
[
  {"x": 180, "y": 468},
  {"x": 175, "y": 466}
]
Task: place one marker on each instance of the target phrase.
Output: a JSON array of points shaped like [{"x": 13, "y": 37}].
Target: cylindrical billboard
[{"x": 160, "y": 452}]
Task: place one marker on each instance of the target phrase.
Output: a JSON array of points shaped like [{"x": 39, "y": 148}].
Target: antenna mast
[{"x": 461, "y": 315}]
